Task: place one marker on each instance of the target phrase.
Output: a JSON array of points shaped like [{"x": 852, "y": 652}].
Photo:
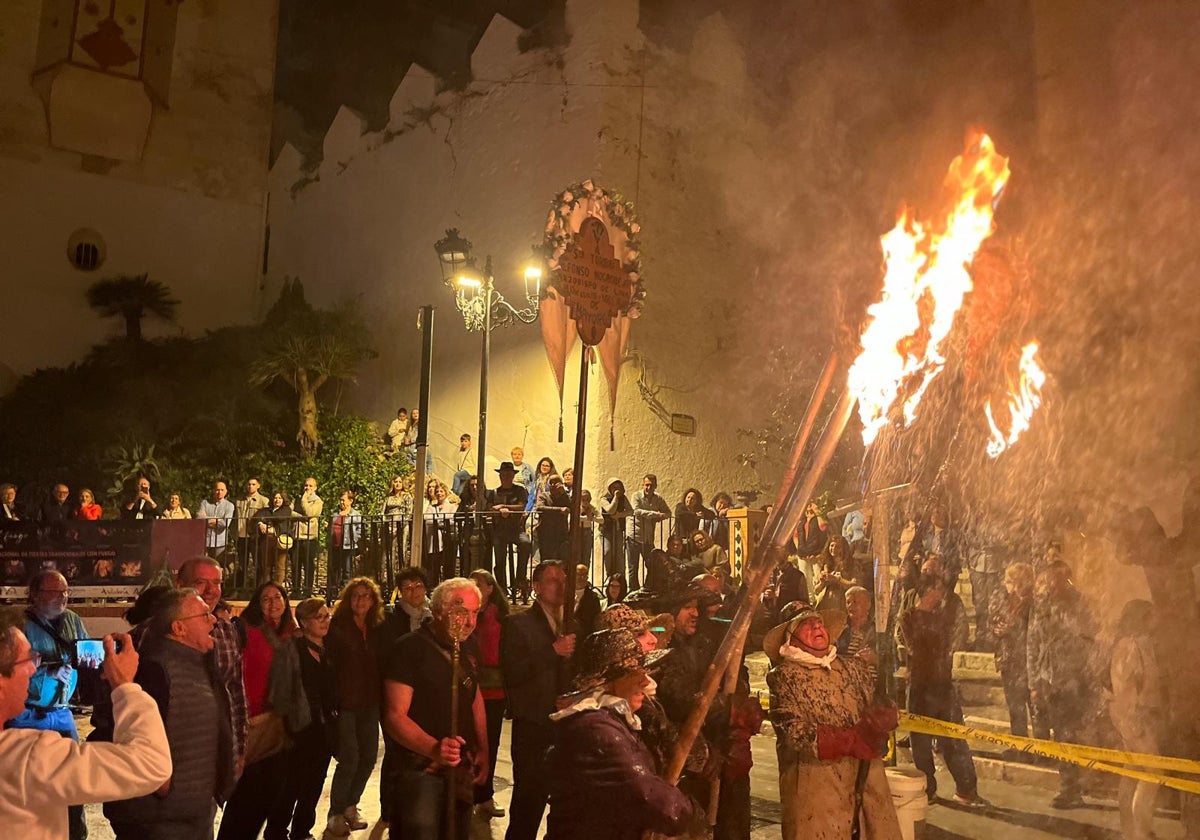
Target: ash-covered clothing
[
  {"x": 818, "y": 796},
  {"x": 1137, "y": 704},
  {"x": 679, "y": 678},
  {"x": 948, "y": 544},
  {"x": 1061, "y": 635},
  {"x": 45, "y": 772},
  {"x": 603, "y": 785},
  {"x": 1060, "y": 643},
  {"x": 193, "y": 705},
  {"x": 926, "y": 634},
  {"x": 1136, "y": 712},
  {"x": 1008, "y": 615}
]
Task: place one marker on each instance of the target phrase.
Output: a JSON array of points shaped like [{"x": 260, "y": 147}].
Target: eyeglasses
[
  {"x": 34, "y": 657},
  {"x": 409, "y": 587},
  {"x": 55, "y": 593},
  {"x": 194, "y": 615}
]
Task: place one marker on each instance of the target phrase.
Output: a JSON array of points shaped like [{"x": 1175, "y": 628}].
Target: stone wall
[{"x": 181, "y": 194}]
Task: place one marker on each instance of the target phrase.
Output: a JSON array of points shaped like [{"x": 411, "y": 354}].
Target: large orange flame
[
  {"x": 925, "y": 281},
  {"x": 1023, "y": 401}
]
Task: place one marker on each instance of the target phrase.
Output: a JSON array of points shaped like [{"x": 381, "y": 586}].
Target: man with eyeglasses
[
  {"x": 204, "y": 575},
  {"x": 174, "y": 670},
  {"x": 52, "y": 629},
  {"x": 44, "y": 773}
]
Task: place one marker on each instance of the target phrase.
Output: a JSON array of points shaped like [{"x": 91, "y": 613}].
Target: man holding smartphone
[
  {"x": 43, "y": 773},
  {"x": 52, "y": 630}
]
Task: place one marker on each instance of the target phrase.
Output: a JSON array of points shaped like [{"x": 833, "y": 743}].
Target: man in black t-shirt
[
  {"x": 420, "y": 750},
  {"x": 507, "y": 503}
]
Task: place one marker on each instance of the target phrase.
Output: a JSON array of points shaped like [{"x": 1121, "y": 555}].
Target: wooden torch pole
[{"x": 778, "y": 530}]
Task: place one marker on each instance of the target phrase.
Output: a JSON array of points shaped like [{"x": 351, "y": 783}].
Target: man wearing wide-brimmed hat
[
  {"x": 693, "y": 648},
  {"x": 507, "y": 503},
  {"x": 602, "y": 783},
  {"x": 826, "y": 723}
]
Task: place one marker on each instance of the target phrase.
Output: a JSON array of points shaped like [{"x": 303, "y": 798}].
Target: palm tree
[
  {"x": 132, "y": 298},
  {"x": 306, "y": 348}
]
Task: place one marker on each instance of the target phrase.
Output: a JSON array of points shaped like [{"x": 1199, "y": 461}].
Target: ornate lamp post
[{"x": 482, "y": 309}]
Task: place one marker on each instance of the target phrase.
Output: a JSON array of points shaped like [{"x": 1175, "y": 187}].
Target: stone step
[
  {"x": 975, "y": 693},
  {"x": 990, "y": 718},
  {"x": 990, "y": 768}
]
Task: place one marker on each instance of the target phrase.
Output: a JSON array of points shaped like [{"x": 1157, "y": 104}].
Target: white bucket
[{"x": 908, "y": 795}]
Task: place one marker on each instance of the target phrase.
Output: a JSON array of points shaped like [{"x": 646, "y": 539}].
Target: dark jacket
[
  {"x": 603, "y": 785},
  {"x": 195, "y": 710},
  {"x": 586, "y": 614},
  {"x": 534, "y": 675}
]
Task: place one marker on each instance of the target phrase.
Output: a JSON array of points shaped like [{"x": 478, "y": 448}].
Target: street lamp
[{"x": 482, "y": 309}]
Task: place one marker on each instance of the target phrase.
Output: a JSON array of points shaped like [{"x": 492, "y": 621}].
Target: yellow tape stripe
[{"x": 1074, "y": 753}]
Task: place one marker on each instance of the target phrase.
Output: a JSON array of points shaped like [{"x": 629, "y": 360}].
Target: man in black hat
[
  {"x": 597, "y": 766},
  {"x": 507, "y": 503},
  {"x": 693, "y": 649}
]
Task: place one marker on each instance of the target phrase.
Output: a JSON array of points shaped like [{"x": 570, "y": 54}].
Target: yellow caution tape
[{"x": 1093, "y": 758}]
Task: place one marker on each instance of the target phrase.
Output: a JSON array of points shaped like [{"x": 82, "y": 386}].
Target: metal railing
[{"x": 315, "y": 557}]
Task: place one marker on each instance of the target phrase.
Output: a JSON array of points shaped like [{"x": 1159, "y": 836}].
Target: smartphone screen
[{"x": 89, "y": 653}]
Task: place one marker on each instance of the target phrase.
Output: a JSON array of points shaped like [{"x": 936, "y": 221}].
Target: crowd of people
[
  {"x": 275, "y": 535},
  {"x": 283, "y": 690}
]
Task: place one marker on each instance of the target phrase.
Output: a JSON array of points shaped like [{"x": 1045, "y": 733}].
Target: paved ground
[{"x": 1019, "y": 812}]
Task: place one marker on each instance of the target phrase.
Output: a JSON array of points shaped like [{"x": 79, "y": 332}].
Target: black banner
[{"x": 113, "y": 555}]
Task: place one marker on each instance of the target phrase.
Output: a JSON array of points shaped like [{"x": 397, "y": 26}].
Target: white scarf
[
  {"x": 803, "y": 657},
  {"x": 599, "y": 700}
]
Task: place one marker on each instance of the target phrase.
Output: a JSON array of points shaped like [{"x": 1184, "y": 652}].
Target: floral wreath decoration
[{"x": 559, "y": 236}]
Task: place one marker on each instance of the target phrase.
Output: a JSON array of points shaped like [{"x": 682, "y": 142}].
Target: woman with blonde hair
[
  {"x": 88, "y": 509},
  {"x": 439, "y": 540},
  {"x": 354, "y": 650}
]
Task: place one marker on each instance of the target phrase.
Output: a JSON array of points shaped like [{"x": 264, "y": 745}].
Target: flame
[
  {"x": 924, "y": 284},
  {"x": 1022, "y": 402}
]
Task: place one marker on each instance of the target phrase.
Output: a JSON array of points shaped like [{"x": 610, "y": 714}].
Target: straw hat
[
  {"x": 623, "y": 617},
  {"x": 833, "y": 619},
  {"x": 609, "y": 655}
]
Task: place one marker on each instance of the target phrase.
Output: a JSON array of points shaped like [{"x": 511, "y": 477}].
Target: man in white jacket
[{"x": 44, "y": 772}]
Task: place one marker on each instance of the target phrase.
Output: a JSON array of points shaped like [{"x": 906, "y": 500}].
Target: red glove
[
  {"x": 879, "y": 720},
  {"x": 843, "y": 742}
]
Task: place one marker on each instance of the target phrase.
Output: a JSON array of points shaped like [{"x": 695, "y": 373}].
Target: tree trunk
[
  {"x": 307, "y": 436},
  {"x": 133, "y": 325}
]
